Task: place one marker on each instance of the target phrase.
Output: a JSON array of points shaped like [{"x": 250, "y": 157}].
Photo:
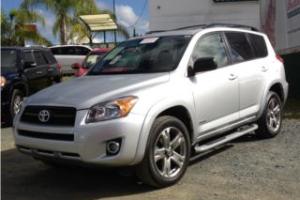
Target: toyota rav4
[{"x": 155, "y": 101}]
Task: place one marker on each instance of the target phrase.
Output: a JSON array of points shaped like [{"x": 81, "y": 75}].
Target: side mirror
[
  {"x": 29, "y": 64},
  {"x": 202, "y": 65},
  {"x": 75, "y": 66}
]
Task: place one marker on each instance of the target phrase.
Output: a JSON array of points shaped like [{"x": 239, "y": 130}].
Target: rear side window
[
  {"x": 39, "y": 58},
  {"x": 259, "y": 45},
  {"x": 240, "y": 49},
  {"x": 55, "y": 50},
  {"x": 211, "y": 46},
  {"x": 28, "y": 56},
  {"x": 49, "y": 57}
]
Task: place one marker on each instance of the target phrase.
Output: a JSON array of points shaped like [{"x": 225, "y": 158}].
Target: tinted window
[
  {"x": 211, "y": 46},
  {"x": 49, "y": 57},
  {"x": 240, "y": 48},
  {"x": 8, "y": 58},
  {"x": 28, "y": 56},
  {"x": 59, "y": 50},
  {"x": 55, "y": 50},
  {"x": 258, "y": 45},
  {"x": 81, "y": 50},
  {"x": 39, "y": 58}
]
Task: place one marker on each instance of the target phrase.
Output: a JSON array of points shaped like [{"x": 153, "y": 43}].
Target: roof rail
[
  {"x": 203, "y": 26},
  {"x": 192, "y": 26},
  {"x": 231, "y": 26},
  {"x": 156, "y": 31}
]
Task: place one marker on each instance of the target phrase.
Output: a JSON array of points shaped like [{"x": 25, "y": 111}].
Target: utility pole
[
  {"x": 114, "y": 10},
  {"x": 134, "y": 32}
]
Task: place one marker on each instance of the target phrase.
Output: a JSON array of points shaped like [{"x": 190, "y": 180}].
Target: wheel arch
[
  {"x": 276, "y": 87},
  {"x": 21, "y": 86},
  {"x": 179, "y": 110}
]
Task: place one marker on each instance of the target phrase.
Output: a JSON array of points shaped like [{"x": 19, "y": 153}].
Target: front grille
[
  {"x": 59, "y": 116},
  {"x": 49, "y": 136}
]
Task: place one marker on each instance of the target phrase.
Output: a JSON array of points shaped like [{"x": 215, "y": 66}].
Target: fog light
[{"x": 113, "y": 147}]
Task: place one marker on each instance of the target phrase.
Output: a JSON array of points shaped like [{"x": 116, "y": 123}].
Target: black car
[{"x": 24, "y": 71}]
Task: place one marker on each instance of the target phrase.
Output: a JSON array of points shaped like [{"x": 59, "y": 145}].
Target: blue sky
[{"x": 128, "y": 12}]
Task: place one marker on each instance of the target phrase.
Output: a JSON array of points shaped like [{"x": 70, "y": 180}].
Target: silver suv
[{"x": 156, "y": 101}]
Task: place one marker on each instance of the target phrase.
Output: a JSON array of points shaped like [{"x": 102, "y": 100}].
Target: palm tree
[
  {"x": 16, "y": 28},
  {"x": 67, "y": 12}
]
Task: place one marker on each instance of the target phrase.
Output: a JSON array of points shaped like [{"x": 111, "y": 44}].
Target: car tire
[
  {"x": 57, "y": 79},
  {"x": 167, "y": 154},
  {"x": 16, "y": 102},
  {"x": 271, "y": 120}
]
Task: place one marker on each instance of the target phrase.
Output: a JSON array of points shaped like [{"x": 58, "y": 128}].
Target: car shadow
[{"x": 26, "y": 178}]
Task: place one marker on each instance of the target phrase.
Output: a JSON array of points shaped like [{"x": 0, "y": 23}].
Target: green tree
[
  {"x": 67, "y": 23},
  {"x": 15, "y": 28}
]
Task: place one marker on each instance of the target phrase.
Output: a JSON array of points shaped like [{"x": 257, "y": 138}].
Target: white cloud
[{"x": 128, "y": 18}]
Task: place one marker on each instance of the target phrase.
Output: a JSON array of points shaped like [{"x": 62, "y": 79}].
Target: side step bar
[{"x": 225, "y": 139}]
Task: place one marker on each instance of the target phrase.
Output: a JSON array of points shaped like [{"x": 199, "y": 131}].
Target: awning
[{"x": 101, "y": 22}]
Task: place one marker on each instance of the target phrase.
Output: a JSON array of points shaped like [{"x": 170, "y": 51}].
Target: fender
[
  {"x": 263, "y": 100},
  {"x": 152, "y": 114}
]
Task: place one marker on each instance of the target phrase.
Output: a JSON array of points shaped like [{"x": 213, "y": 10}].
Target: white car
[{"x": 66, "y": 55}]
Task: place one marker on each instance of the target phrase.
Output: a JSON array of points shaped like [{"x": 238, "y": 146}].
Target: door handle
[
  {"x": 232, "y": 77},
  {"x": 264, "y": 68},
  {"x": 38, "y": 72}
]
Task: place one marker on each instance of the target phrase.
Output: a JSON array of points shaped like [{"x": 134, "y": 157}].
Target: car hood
[{"x": 86, "y": 91}]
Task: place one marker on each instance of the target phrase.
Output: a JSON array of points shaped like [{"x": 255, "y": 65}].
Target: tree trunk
[{"x": 63, "y": 31}]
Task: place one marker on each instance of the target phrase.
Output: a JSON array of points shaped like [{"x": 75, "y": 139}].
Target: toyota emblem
[{"x": 44, "y": 115}]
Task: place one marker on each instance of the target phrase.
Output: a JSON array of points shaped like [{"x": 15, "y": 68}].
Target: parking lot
[{"x": 247, "y": 168}]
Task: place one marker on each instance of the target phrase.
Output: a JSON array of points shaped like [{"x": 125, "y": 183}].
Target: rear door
[
  {"x": 250, "y": 67},
  {"x": 41, "y": 69}
]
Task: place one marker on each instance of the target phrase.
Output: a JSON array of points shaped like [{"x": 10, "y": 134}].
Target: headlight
[
  {"x": 111, "y": 110},
  {"x": 3, "y": 81}
]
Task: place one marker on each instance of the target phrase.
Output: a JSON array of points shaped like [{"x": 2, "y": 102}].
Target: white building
[{"x": 280, "y": 19}]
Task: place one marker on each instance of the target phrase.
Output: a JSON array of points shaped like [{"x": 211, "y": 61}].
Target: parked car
[
  {"x": 66, "y": 55},
  {"x": 94, "y": 56},
  {"x": 24, "y": 71},
  {"x": 155, "y": 101}
]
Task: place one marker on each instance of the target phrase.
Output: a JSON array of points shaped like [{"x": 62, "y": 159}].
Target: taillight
[
  {"x": 279, "y": 58},
  {"x": 58, "y": 66}
]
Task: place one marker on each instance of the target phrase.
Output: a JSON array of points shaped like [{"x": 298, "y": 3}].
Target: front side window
[
  {"x": 81, "y": 51},
  {"x": 211, "y": 46},
  {"x": 92, "y": 59},
  {"x": 240, "y": 49},
  {"x": 146, "y": 55},
  {"x": 8, "y": 58}
]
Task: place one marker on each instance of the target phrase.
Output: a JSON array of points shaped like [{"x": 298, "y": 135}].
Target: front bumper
[{"x": 89, "y": 144}]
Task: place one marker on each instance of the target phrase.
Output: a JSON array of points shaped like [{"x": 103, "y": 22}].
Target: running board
[{"x": 225, "y": 139}]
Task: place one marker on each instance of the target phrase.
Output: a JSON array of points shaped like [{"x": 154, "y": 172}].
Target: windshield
[
  {"x": 8, "y": 58},
  {"x": 91, "y": 59},
  {"x": 146, "y": 55}
]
